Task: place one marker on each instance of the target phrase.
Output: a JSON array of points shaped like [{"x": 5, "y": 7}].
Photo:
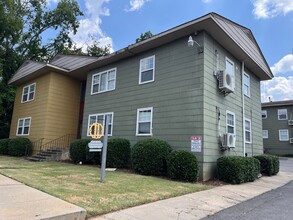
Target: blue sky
[{"x": 119, "y": 22}]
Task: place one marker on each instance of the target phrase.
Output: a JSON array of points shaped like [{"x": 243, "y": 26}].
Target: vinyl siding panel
[
  {"x": 54, "y": 110},
  {"x": 175, "y": 95},
  {"x": 214, "y": 100},
  {"x": 273, "y": 145},
  {"x": 35, "y": 109}
]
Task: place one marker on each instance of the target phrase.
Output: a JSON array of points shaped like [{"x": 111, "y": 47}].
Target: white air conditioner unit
[
  {"x": 291, "y": 140},
  {"x": 290, "y": 122},
  {"x": 229, "y": 140},
  {"x": 226, "y": 81}
]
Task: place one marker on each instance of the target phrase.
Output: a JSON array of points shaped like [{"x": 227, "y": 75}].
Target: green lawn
[{"x": 79, "y": 184}]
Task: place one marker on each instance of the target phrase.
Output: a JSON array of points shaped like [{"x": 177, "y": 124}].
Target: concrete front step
[{"x": 49, "y": 155}]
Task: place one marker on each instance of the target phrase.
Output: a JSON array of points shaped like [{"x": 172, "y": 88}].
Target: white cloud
[
  {"x": 285, "y": 65},
  {"x": 135, "y": 5},
  {"x": 206, "y": 1},
  {"x": 89, "y": 29},
  {"x": 271, "y": 8},
  {"x": 279, "y": 88}
]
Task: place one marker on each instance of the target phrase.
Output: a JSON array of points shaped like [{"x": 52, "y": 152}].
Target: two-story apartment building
[
  {"x": 277, "y": 120},
  {"x": 197, "y": 86}
]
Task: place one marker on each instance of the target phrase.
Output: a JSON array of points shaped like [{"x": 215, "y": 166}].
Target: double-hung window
[
  {"x": 283, "y": 135},
  {"x": 23, "y": 126},
  {"x": 230, "y": 122},
  {"x": 246, "y": 84},
  {"x": 144, "y": 121},
  {"x": 147, "y": 70},
  {"x": 103, "y": 81},
  {"x": 247, "y": 131},
  {"x": 265, "y": 134},
  {"x": 28, "y": 93},
  {"x": 264, "y": 114},
  {"x": 100, "y": 118},
  {"x": 282, "y": 114}
]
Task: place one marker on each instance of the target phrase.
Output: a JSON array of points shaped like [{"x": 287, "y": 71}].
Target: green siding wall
[
  {"x": 184, "y": 97},
  {"x": 214, "y": 100},
  {"x": 175, "y": 95},
  {"x": 273, "y": 125}
]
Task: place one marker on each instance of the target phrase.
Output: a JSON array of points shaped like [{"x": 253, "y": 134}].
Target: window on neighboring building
[
  {"x": 264, "y": 114},
  {"x": 23, "y": 127},
  {"x": 265, "y": 134},
  {"x": 104, "y": 81},
  {"x": 230, "y": 122},
  {"x": 247, "y": 131},
  {"x": 144, "y": 121},
  {"x": 230, "y": 69},
  {"x": 28, "y": 93},
  {"x": 246, "y": 85},
  {"x": 147, "y": 70},
  {"x": 283, "y": 135},
  {"x": 282, "y": 114},
  {"x": 100, "y": 118}
]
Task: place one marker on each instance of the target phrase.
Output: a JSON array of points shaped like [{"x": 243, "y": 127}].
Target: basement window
[{"x": 23, "y": 126}]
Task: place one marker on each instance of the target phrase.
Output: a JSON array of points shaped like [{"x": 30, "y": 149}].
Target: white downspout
[{"x": 243, "y": 109}]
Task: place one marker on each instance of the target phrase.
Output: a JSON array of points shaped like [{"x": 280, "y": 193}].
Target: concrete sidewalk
[
  {"x": 201, "y": 204},
  {"x": 21, "y": 202}
]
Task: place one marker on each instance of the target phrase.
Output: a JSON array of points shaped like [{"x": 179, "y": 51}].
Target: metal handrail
[{"x": 62, "y": 142}]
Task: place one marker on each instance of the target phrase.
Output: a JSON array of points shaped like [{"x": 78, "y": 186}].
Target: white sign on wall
[{"x": 196, "y": 143}]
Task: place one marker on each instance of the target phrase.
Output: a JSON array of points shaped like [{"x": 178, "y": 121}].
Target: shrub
[
  {"x": 79, "y": 152},
  {"x": 236, "y": 169},
  {"x": 149, "y": 156},
  {"x": 269, "y": 164},
  {"x": 4, "y": 146},
  {"x": 182, "y": 165},
  {"x": 118, "y": 153},
  {"x": 19, "y": 146}
]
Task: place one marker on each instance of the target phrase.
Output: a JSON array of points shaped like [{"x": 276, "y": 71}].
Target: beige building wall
[{"x": 54, "y": 111}]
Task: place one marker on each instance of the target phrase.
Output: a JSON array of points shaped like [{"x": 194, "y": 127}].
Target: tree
[
  {"x": 144, "y": 36},
  {"x": 22, "y": 23}
]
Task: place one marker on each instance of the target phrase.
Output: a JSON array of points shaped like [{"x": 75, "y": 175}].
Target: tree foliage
[
  {"x": 23, "y": 24},
  {"x": 144, "y": 36}
]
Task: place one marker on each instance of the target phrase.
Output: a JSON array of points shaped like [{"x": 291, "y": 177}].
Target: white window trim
[
  {"x": 154, "y": 65},
  {"x": 29, "y": 128},
  {"x": 267, "y": 134},
  {"x": 248, "y": 142},
  {"x": 151, "y": 125},
  {"x": 279, "y": 114},
  {"x": 99, "y": 114},
  {"x": 232, "y": 113},
  {"x": 280, "y": 130},
  {"x": 28, "y": 100},
  {"x": 100, "y": 73},
  {"x": 248, "y": 76},
  {"x": 265, "y": 112}
]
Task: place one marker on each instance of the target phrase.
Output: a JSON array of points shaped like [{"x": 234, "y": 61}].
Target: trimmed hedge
[
  {"x": 4, "y": 144},
  {"x": 269, "y": 164},
  {"x": 149, "y": 156},
  {"x": 118, "y": 153},
  {"x": 19, "y": 146},
  {"x": 79, "y": 152},
  {"x": 236, "y": 169},
  {"x": 182, "y": 165}
]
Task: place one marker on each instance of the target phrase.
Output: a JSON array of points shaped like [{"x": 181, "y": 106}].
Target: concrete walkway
[
  {"x": 21, "y": 202},
  {"x": 201, "y": 204}
]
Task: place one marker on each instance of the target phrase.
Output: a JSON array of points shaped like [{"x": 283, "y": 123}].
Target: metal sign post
[{"x": 104, "y": 152}]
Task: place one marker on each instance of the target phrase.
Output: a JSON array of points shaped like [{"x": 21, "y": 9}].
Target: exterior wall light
[{"x": 191, "y": 43}]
